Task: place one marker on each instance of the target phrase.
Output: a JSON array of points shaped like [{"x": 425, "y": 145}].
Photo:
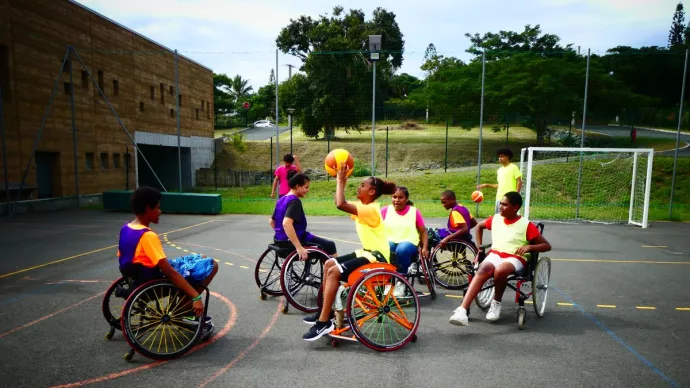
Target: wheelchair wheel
[
  {"x": 485, "y": 295},
  {"x": 267, "y": 273},
  {"x": 152, "y": 321},
  {"x": 452, "y": 264},
  {"x": 429, "y": 277},
  {"x": 113, "y": 301},
  {"x": 381, "y": 321},
  {"x": 540, "y": 285},
  {"x": 301, "y": 280}
]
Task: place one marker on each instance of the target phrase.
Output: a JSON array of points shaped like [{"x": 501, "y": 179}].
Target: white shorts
[{"x": 496, "y": 260}]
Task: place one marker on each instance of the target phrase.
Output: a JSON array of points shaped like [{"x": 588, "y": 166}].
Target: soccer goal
[{"x": 602, "y": 185}]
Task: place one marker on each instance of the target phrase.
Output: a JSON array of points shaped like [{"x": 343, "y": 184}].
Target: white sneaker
[
  {"x": 459, "y": 317},
  {"x": 399, "y": 290},
  {"x": 494, "y": 311}
]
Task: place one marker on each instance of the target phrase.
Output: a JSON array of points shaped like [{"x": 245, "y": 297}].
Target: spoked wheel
[
  {"x": 429, "y": 277},
  {"x": 377, "y": 318},
  {"x": 452, "y": 264},
  {"x": 157, "y": 322},
  {"x": 301, "y": 280},
  {"x": 113, "y": 301},
  {"x": 486, "y": 294},
  {"x": 540, "y": 285},
  {"x": 267, "y": 273}
]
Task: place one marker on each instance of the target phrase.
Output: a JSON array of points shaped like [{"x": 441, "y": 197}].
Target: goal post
[{"x": 600, "y": 185}]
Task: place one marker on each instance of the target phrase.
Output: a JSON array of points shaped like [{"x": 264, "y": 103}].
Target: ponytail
[{"x": 382, "y": 187}]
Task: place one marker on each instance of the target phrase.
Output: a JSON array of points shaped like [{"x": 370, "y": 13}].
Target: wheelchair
[
  {"x": 452, "y": 265},
  {"x": 366, "y": 306},
  {"x": 279, "y": 271},
  {"x": 419, "y": 272},
  {"x": 535, "y": 275},
  {"x": 151, "y": 317}
]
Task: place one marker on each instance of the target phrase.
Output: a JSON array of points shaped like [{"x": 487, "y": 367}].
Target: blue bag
[{"x": 193, "y": 267}]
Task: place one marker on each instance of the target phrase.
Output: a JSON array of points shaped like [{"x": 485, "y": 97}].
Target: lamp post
[
  {"x": 374, "y": 56},
  {"x": 290, "y": 111}
]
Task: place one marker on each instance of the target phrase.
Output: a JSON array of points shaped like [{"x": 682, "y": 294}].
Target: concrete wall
[{"x": 34, "y": 35}]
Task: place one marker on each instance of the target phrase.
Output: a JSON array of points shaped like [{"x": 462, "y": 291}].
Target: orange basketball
[
  {"x": 477, "y": 196},
  {"x": 336, "y": 158}
]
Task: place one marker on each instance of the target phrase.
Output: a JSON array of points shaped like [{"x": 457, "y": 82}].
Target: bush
[{"x": 361, "y": 169}]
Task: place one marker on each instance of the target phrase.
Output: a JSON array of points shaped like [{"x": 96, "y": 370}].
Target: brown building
[{"x": 137, "y": 76}]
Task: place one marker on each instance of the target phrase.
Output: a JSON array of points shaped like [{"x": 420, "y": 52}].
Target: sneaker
[
  {"x": 318, "y": 330},
  {"x": 311, "y": 319},
  {"x": 399, "y": 290},
  {"x": 208, "y": 329},
  {"x": 194, "y": 320},
  {"x": 459, "y": 317},
  {"x": 494, "y": 311}
]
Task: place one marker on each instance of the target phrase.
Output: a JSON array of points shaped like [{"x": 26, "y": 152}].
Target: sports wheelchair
[
  {"x": 419, "y": 272},
  {"x": 366, "y": 306},
  {"x": 279, "y": 271},
  {"x": 151, "y": 316}
]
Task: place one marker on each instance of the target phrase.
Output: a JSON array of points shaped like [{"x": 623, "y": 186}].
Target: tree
[
  {"x": 508, "y": 43},
  {"x": 223, "y": 101},
  {"x": 239, "y": 87},
  {"x": 334, "y": 56},
  {"x": 676, "y": 37}
]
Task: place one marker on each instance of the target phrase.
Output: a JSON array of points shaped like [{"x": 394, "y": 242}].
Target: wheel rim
[
  {"x": 485, "y": 296},
  {"x": 301, "y": 280},
  {"x": 154, "y": 321},
  {"x": 379, "y": 319},
  {"x": 451, "y": 264},
  {"x": 113, "y": 305},
  {"x": 267, "y": 273},
  {"x": 540, "y": 285}
]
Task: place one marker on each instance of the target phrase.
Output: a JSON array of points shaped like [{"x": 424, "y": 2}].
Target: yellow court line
[
  {"x": 606, "y": 306},
  {"x": 683, "y": 308},
  {"x": 336, "y": 239},
  {"x": 229, "y": 264},
  {"x": 654, "y": 246},
  {"x": 244, "y": 266},
  {"x": 454, "y": 296},
  {"x": 623, "y": 261},
  {"x": 565, "y": 304},
  {"x": 85, "y": 254},
  {"x": 645, "y": 307}
]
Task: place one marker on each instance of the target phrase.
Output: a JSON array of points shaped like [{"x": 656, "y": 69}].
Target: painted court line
[
  {"x": 618, "y": 339},
  {"x": 683, "y": 308},
  {"x": 454, "y": 296},
  {"x": 606, "y": 306},
  {"x": 87, "y": 253},
  {"x": 564, "y": 304},
  {"x": 645, "y": 307}
]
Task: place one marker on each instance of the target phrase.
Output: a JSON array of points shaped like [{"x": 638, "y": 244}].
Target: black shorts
[
  {"x": 347, "y": 264},
  {"x": 328, "y": 246}
]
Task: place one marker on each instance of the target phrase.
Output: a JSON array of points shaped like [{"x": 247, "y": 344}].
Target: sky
[{"x": 238, "y": 36}]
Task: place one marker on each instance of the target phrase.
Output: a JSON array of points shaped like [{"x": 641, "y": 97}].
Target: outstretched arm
[{"x": 340, "y": 202}]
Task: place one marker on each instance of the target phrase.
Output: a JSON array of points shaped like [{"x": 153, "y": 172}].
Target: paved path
[
  {"x": 263, "y": 133},
  {"x": 624, "y": 132}
]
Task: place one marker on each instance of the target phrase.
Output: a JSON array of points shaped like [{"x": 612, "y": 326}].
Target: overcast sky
[{"x": 238, "y": 37}]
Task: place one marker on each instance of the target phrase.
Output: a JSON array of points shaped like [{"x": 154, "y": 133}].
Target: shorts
[
  {"x": 347, "y": 264},
  {"x": 497, "y": 260},
  {"x": 328, "y": 246}
]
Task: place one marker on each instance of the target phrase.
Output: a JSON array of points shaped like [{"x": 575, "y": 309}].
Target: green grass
[{"x": 602, "y": 191}]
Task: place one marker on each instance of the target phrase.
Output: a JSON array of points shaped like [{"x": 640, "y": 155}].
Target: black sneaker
[
  {"x": 311, "y": 319},
  {"x": 319, "y": 329},
  {"x": 208, "y": 330}
]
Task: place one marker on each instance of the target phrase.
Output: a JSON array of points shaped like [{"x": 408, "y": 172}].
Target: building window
[
  {"x": 89, "y": 160},
  {"x": 84, "y": 80},
  {"x": 68, "y": 88},
  {"x": 5, "y": 72},
  {"x": 172, "y": 113},
  {"x": 104, "y": 161},
  {"x": 116, "y": 160},
  {"x": 208, "y": 110},
  {"x": 153, "y": 93},
  {"x": 65, "y": 69},
  {"x": 180, "y": 100},
  {"x": 141, "y": 106},
  {"x": 197, "y": 113},
  {"x": 116, "y": 87},
  {"x": 202, "y": 105},
  {"x": 162, "y": 92},
  {"x": 172, "y": 90},
  {"x": 100, "y": 80}
]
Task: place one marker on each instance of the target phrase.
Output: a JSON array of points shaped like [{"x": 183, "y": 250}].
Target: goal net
[{"x": 603, "y": 185}]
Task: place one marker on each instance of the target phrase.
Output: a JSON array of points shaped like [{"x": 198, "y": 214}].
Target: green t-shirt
[{"x": 507, "y": 179}]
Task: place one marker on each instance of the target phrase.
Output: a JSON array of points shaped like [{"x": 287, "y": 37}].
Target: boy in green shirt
[{"x": 508, "y": 176}]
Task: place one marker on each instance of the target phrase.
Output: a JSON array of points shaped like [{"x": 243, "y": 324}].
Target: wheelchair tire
[
  {"x": 540, "y": 285},
  {"x": 388, "y": 314},
  {"x": 148, "y": 303},
  {"x": 110, "y": 303},
  {"x": 301, "y": 280},
  {"x": 429, "y": 276},
  {"x": 452, "y": 273},
  {"x": 267, "y": 273},
  {"x": 485, "y": 295}
]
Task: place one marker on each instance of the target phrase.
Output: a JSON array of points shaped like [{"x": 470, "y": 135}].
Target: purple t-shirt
[{"x": 281, "y": 173}]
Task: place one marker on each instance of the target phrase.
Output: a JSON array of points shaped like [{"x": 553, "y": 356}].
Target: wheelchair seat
[{"x": 285, "y": 248}]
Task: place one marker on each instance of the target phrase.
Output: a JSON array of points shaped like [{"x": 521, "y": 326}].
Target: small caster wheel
[
  {"x": 286, "y": 309},
  {"x": 263, "y": 296},
  {"x": 128, "y": 356},
  {"x": 521, "y": 315},
  {"x": 334, "y": 343},
  {"x": 414, "y": 338},
  {"x": 109, "y": 334}
]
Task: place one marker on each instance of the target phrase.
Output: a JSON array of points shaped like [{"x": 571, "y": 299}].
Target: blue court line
[{"x": 617, "y": 338}]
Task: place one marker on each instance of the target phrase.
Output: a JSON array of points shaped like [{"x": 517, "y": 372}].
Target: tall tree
[
  {"x": 334, "y": 54},
  {"x": 676, "y": 36},
  {"x": 507, "y": 43},
  {"x": 223, "y": 100},
  {"x": 240, "y": 87}
]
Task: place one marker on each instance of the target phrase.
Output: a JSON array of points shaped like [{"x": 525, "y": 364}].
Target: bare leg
[
  {"x": 331, "y": 282},
  {"x": 501, "y": 279},
  {"x": 486, "y": 270}
]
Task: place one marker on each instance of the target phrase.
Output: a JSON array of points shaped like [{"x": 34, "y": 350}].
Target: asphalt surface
[
  {"x": 55, "y": 267},
  {"x": 624, "y": 132},
  {"x": 263, "y": 133}
]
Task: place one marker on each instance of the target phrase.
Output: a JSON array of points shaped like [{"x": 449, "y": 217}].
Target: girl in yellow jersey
[{"x": 372, "y": 234}]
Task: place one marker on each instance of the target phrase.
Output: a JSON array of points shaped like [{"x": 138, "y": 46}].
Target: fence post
[
  {"x": 328, "y": 151},
  {"x": 270, "y": 161},
  {"x": 481, "y": 127},
  {"x": 386, "y": 152},
  {"x": 215, "y": 163},
  {"x": 74, "y": 127},
  {"x": 445, "y": 167},
  {"x": 126, "y": 168},
  {"x": 582, "y": 141},
  {"x": 675, "y": 153},
  {"x": 179, "y": 152},
  {"x": 4, "y": 155}
]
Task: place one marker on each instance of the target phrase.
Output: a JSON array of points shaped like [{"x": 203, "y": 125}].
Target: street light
[
  {"x": 290, "y": 112},
  {"x": 374, "y": 56}
]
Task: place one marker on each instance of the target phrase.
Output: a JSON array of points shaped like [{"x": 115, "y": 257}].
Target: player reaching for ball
[
  {"x": 508, "y": 176},
  {"x": 371, "y": 232}
]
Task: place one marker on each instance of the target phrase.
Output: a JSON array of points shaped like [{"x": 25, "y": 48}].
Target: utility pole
[{"x": 290, "y": 70}]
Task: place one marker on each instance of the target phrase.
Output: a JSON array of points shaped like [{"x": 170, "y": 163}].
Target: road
[
  {"x": 616, "y": 315},
  {"x": 262, "y": 133},
  {"x": 643, "y": 133}
]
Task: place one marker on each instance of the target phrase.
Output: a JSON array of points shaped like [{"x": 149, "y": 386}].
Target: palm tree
[{"x": 239, "y": 87}]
